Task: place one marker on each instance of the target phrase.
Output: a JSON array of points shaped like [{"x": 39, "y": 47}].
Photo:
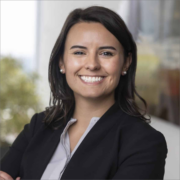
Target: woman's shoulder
[
  {"x": 36, "y": 121},
  {"x": 137, "y": 129},
  {"x": 138, "y": 134},
  {"x": 38, "y": 117}
]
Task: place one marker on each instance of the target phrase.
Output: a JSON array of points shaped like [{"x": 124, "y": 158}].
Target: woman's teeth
[{"x": 91, "y": 79}]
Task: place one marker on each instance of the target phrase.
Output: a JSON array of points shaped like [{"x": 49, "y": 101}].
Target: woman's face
[{"x": 92, "y": 51}]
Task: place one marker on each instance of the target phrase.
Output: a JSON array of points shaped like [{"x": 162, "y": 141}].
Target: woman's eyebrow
[
  {"x": 108, "y": 47},
  {"x": 102, "y": 47}
]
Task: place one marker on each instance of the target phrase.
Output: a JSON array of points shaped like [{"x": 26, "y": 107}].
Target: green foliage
[{"x": 18, "y": 96}]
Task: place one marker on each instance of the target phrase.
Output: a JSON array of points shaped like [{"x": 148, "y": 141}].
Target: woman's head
[
  {"x": 90, "y": 50},
  {"x": 92, "y": 28}
]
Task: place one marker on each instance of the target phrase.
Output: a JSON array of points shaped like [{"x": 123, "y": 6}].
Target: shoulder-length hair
[{"x": 62, "y": 97}]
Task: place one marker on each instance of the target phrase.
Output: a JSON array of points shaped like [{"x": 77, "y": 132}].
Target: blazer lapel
[{"x": 75, "y": 166}]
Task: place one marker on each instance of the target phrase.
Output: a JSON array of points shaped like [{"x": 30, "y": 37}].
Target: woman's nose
[{"x": 92, "y": 63}]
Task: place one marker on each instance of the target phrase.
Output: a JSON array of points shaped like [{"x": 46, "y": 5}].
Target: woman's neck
[{"x": 84, "y": 111}]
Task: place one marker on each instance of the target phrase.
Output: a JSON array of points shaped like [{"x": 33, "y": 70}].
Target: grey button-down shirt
[{"x": 62, "y": 155}]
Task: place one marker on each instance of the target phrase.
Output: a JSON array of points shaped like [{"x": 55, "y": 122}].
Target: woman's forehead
[{"x": 92, "y": 33}]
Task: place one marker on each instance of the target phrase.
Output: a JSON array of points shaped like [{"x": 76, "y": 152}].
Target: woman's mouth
[{"x": 92, "y": 80}]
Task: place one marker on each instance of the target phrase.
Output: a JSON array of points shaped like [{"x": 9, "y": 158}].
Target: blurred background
[{"x": 29, "y": 30}]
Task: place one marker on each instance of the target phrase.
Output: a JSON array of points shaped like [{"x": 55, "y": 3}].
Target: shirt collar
[{"x": 73, "y": 120}]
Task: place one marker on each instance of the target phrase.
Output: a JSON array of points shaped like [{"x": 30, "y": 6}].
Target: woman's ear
[
  {"x": 61, "y": 65},
  {"x": 129, "y": 60},
  {"x": 128, "y": 63}
]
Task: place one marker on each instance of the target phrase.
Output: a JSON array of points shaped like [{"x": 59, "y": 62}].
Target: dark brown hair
[{"x": 62, "y": 97}]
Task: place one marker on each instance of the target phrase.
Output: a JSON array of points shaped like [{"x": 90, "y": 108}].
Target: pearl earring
[
  {"x": 61, "y": 70},
  {"x": 124, "y": 72}
]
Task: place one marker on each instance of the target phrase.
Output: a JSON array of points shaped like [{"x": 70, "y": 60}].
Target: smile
[{"x": 91, "y": 80}]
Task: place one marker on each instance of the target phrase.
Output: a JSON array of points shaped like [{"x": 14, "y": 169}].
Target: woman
[{"x": 93, "y": 129}]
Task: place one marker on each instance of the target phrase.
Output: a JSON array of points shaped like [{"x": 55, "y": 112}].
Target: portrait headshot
[{"x": 97, "y": 124}]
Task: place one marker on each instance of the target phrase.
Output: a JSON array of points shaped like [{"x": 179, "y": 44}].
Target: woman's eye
[
  {"x": 107, "y": 53},
  {"x": 78, "y": 53}
]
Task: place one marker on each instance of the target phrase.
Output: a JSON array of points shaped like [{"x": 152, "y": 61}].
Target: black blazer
[{"x": 119, "y": 146}]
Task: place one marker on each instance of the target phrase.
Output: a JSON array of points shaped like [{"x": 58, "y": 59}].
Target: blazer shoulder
[
  {"x": 135, "y": 123},
  {"x": 135, "y": 131},
  {"x": 38, "y": 120},
  {"x": 40, "y": 116}
]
